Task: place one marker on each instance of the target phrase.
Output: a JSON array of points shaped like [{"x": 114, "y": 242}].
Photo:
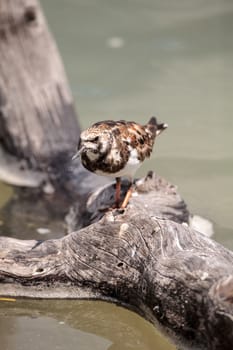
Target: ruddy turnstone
[{"x": 116, "y": 149}]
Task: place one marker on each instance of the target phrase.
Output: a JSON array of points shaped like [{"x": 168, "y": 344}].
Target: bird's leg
[
  {"x": 127, "y": 196},
  {"x": 118, "y": 192}
]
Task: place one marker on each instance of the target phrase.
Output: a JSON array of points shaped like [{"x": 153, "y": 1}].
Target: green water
[
  {"x": 75, "y": 325},
  {"x": 130, "y": 60}
]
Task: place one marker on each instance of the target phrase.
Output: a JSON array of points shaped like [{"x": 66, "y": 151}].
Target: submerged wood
[{"x": 175, "y": 277}]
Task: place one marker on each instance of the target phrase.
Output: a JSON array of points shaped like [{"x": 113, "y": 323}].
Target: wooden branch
[
  {"x": 39, "y": 129},
  {"x": 153, "y": 193},
  {"x": 177, "y": 278}
]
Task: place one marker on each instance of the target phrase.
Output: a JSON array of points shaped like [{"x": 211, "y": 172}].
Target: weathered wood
[
  {"x": 38, "y": 126},
  {"x": 177, "y": 278},
  {"x": 161, "y": 199},
  {"x": 146, "y": 257}
]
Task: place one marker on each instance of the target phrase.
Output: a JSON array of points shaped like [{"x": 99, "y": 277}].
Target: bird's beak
[{"x": 77, "y": 154}]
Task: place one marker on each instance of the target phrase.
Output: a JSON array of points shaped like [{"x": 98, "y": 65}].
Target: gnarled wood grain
[
  {"x": 175, "y": 277},
  {"x": 38, "y": 125}
]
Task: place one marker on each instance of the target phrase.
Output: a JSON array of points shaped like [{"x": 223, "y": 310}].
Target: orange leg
[
  {"x": 118, "y": 192},
  {"x": 127, "y": 197}
]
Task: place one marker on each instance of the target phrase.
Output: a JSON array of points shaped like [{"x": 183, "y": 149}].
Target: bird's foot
[{"x": 127, "y": 198}]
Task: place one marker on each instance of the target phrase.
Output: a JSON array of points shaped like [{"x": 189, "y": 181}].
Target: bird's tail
[{"x": 154, "y": 127}]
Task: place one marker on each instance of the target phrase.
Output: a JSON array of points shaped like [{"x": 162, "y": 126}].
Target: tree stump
[{"x": 32, "y": 83}]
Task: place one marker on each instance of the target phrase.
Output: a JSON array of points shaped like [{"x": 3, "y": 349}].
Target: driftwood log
[
  {"x": 173, "y": 276},
  {"x": 145, "y": 258}
]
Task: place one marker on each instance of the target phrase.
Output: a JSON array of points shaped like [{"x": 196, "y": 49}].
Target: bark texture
[
  {"x": 175, "y": 277},
  {"x": 38, "y": 124}
]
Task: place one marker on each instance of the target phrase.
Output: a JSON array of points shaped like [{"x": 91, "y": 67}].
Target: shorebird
[{"x": 117, "y": 149}]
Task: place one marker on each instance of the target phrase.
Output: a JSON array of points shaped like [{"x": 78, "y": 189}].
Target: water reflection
[{"x": 75, "y": 325}]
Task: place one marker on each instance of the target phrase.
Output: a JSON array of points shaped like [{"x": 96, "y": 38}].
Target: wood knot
[
  {"x": 30, "y": 14},
  {"x": 120, "y": 264},
  {"x": 40, "y": 269}
]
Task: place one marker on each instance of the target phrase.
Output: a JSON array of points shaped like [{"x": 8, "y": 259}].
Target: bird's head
[{"x": 93, "y": 143}]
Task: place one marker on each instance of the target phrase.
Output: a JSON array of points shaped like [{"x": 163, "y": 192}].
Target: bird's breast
[
  {"x": 120, "y": 160},
  {"x": 119, "y": 165}
]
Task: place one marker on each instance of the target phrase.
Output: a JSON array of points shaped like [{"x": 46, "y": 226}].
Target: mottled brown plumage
[{"x": 117, "y": 148}]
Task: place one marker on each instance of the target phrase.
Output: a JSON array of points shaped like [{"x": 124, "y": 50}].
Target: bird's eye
[
  {"x": 141, "y": 141},
  {"x": 96, "y": 139}
]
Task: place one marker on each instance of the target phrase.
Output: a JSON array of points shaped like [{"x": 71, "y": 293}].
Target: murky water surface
[
  {"x": 75, "y": 325},
  {"x": 130, "y": 60}
]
